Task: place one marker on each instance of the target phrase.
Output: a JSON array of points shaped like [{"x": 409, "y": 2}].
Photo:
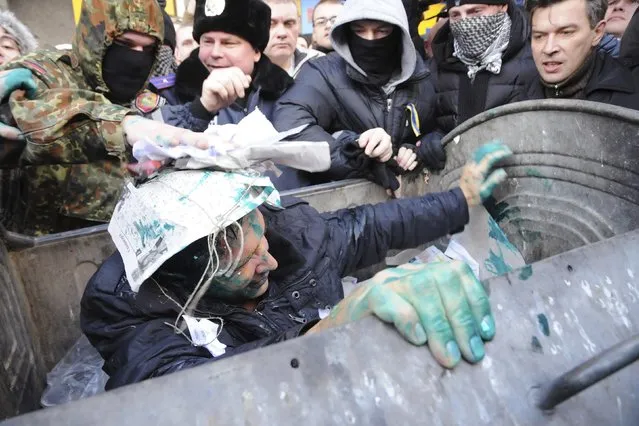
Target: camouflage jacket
[{"x": 72, "y": 166}]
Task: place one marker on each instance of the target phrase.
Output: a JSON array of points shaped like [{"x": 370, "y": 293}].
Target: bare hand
[
  {"x": 223, "y": 87},
  {"x": 406, "y": 158},
  {"x": 377, "y": 144}
]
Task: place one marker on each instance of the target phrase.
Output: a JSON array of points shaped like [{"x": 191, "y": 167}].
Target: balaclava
[
  {"x": 125, "y": 71},
  {"x": 377, "y": 58}
]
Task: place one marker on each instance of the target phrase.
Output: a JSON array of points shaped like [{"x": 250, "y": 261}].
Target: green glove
[
  {"x": 17, "y": 79},
  {"x": 476, "y": 183},
  {"x": 442, "y": 304}
]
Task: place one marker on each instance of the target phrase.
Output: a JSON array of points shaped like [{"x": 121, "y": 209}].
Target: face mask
[
  {"x": 378, "y": 58},
  {"x": 125, "y": 71},
  {"x": 474, "y": 36}
]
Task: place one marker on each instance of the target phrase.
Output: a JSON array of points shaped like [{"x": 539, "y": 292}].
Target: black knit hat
[
  {"x": 249, "y": 19},
  {"x": 455, "y": 3}
]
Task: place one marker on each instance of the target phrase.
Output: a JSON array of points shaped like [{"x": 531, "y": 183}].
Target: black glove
[
  {"x": 373, "y": 170},
  {"x": 431, "y": 152}
]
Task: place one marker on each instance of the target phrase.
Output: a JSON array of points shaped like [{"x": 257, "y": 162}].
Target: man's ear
[
  {"x": 504, "y": 8},
  {"x": 258, "y": 56},
  {"x": 600, "y": 30}
]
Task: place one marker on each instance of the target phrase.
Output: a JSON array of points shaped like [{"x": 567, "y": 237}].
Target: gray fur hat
[{"x": 18, "y": 31}]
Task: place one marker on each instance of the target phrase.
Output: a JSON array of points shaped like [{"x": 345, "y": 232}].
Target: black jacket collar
[
  {"x": 271, "y": 80},
  {"x": 610, "y": 75}
]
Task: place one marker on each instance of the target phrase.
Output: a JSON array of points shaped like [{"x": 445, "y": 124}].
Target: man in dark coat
[
  {"x": 481, "y": 60},
  {"x": 565, "y": 34},
  {"x": 231, "y": 286},
  {"x": 373, "y": 94}
]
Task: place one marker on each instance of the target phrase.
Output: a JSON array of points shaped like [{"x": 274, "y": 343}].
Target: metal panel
[
  {"x": 550, "y": 317},
  {"x": 573, "y": 178}
]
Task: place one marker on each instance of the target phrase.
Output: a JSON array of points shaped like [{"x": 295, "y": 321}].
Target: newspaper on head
[
  {"x": 153, "y": 222},
  {"x": 252, "y": 141}
]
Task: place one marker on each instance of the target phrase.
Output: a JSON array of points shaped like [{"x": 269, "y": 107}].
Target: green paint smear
[
  {"x": 496, "y": 265},
  {"x": 498, "y": 235},
  {"x": 526, "y": 272},
  {"x": 543, "y": 324},
  {"x": 535, "y": 173},
  {"x": 536, "y": 345}
]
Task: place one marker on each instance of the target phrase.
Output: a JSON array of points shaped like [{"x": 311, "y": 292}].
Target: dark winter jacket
[
  {"x": 313, "y": 250},
  {"x": 333, "y": 96},
  {"x": 629, "y": 49},
  {"x": 458, "y": 99},
  {"x": 610, "y": 83}
]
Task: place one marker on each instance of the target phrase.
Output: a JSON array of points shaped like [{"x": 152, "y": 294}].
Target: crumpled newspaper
[
  {"x": 252, "y": 141},
  {"x": 155, "y": 221}
]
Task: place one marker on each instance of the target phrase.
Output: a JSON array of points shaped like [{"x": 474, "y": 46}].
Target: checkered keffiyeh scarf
[
  {"x": 480, "y": 41},
  {"x": 165, "y": 63}
]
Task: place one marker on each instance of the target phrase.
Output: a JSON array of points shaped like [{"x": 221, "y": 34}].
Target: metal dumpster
[
  {"x": 574, "y": 178},
  {"x": 550, "y": 317}
]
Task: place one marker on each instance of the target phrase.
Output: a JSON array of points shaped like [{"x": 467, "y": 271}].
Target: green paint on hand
[
  {"x": 526, "y": 272},
  {"x": 496, "y": 265},
  {"x": 543, "y": 324},
  {"x": 536, "y": 345},
  {"x": 498, "y": 235}
]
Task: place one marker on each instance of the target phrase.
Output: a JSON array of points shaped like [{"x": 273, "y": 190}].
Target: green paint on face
[
  {"x": 543, "y": 324},
  {"x": 526, "y": 272},
  {"x": 498, "y": 235},
  {"x": 496, "y": 265}
]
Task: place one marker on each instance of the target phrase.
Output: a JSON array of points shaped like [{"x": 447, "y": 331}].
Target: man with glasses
[{"x": 324, "y": 16}]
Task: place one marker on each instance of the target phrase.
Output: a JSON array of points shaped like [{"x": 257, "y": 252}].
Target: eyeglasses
[{"x": 322, "y": 22}]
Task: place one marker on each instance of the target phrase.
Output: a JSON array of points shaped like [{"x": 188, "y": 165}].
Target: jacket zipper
[{"x": 284, "y": 290}]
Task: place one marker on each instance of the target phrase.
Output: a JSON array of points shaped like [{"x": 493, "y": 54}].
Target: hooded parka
[{"x": 71, "y": 168}]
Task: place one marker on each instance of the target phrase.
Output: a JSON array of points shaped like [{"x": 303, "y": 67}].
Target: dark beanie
[
  {"x": 455, "y": 3},
  {"x": 249, "y": 19}
]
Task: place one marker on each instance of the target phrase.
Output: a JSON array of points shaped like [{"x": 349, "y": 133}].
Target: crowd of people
[{"x": 366, "y": 85}]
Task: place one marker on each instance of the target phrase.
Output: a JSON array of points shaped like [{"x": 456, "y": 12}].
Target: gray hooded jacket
[
  {"x": 333, "y": 96},
  {"x": 18, "y": 31}
]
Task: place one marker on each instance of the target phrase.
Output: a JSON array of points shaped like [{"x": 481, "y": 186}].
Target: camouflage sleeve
[{"x": 63, "y": 125}]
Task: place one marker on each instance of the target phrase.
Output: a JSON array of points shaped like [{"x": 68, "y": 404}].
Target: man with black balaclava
[
  {"x": 65, "y": 121},
  {"x": 372, "y": 98},
  {"x": 482, "y": 59}
]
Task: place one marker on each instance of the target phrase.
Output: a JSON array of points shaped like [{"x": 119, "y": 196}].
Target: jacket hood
[
  {"x": 390, "y": 11},
  {"x": 519, "y": 36},
  {"x": 18, "y": 31},
  {"x": 101, "y": 21}
]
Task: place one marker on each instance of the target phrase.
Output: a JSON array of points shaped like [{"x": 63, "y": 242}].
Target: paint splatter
[
  {"x": 148, "y": 231},
  {"x": 544, "y": 327},
  {"x": 496, "y": 265},
  {"x": 498, "y": 235},
  {"x": 535, "y": 173},
  {"x": 536, "y": 345},
  {"x": 526, "y": 272}
]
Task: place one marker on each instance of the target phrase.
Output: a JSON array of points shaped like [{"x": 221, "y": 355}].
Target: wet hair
[{"x": 596, "y": 9}]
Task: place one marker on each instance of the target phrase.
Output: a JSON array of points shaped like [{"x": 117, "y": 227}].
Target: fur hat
[
  {"x": 454, "y": 3},
  {"x": 18, "y": 31},
  {"x": 249, "y": 19}
]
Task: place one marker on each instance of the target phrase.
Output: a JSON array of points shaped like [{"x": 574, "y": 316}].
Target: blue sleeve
[
  {"x": 190, "y": 116},
  {"x": 363, "y": 235}
]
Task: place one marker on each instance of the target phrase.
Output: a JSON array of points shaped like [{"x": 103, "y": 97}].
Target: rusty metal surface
[
  {"x": 550, "y": 317},
  {"x": 573, "y": 178}
]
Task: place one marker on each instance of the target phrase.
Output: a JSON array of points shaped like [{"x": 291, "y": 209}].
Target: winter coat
[
  {"x": 313, "y": 250},
  {"x": 459, "y": 99},
  {"x": 629, "y": 50},
  {"x": 72, "y": 167},
  {"x": 611, "y": 83},
  {"x": 332, "y": 94},
  {"x": 301, "y": 57}
]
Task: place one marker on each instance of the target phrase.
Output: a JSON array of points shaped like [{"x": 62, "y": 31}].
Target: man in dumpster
[{"x": 262, "y": 275}]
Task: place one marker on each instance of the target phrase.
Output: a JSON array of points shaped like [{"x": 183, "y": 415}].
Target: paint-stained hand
[
  {"x": 223, "y": 87},
  {"x": 442, "y": 304},
  {"x": 477, "y": 183},
  {"x": 377, "y": 144},
  {"x": 17, "y": 79}
]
